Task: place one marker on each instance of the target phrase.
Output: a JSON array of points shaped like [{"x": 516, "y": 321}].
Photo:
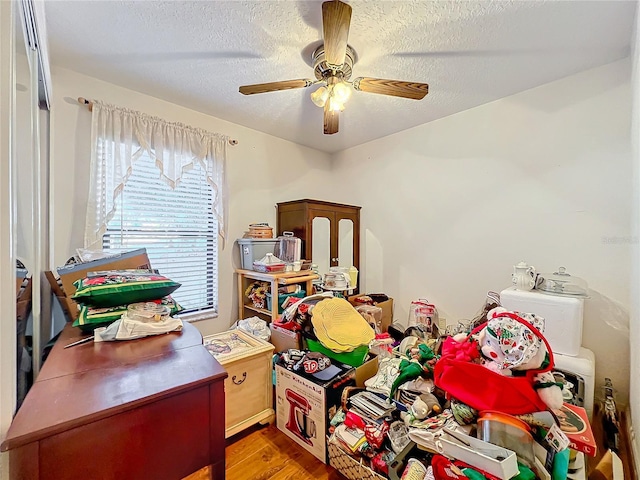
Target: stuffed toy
[
  {"x": 419, "y": 363},
  {"x": 423, "y": 406},
  {"x": 510, "y": 348},
  {"x": 417, "y": 411}
]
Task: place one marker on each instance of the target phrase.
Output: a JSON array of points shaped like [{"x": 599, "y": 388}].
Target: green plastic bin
[
  {"x": 282, "y": 297},
  {"x": 354, "y": 358}
]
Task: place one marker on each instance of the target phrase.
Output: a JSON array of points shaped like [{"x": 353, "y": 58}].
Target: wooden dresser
[{"x": 148, "y": 408}]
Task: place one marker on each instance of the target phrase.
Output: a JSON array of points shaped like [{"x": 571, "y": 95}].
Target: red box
[{"x": 574, "y": 422}]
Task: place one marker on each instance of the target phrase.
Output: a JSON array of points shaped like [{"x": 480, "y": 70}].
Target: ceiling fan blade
[
  {"x": 336, "y": 18},
  {"x": 331, "y": 119},
  {"x": 397, "y": 88},
  {"x": 275, "y": 86}
]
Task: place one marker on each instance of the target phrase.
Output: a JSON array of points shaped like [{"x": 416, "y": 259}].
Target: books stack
[{"x": 370, "y": 405}]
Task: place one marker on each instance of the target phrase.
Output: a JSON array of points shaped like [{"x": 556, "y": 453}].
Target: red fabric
[
  {"x": 460, "y": 464},
  {"x": 443, "y": 469},
  {"x": 465, "y": 351},
  {"x": 484, "y": 389}
]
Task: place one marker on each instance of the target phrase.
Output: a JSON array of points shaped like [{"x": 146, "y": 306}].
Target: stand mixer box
[{"x": 305, "y": 405}]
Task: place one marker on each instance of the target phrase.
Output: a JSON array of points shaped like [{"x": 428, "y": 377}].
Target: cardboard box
[
  {"x": 305, "y": 405},
  {"x": 367, "y": 370},
  {"x": 64, "y": 289},
  {"x": 283, "y": 339},
  {"x": 574, "y": 422},
  {"x": 387, "y": 310}
]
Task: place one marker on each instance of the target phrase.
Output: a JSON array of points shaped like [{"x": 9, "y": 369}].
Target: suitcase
[{"x": 288, "y": 248}]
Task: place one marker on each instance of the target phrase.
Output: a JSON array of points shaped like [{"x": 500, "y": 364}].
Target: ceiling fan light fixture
[
  {"x": 333, "y": 63},
  {"x": 320, "y": 96},
  {"x": 341, "y": 92},
  {"x": 335, "y": 105}
]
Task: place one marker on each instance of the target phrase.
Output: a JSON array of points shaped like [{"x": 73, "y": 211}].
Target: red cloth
[
  {"x": 460, "y": 464},
  {"x": 443, "y": 469},
  {"x": 482, "y": 388}
]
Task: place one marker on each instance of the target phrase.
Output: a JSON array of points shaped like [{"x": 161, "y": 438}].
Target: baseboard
[{"x": 634, "y": 466}]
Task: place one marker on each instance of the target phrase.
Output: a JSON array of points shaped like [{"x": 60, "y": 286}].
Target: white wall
[
  {"x": 262, "y": 170},
  {"x": 634, "y": 339},
  {"x": 543, "y": 176}
]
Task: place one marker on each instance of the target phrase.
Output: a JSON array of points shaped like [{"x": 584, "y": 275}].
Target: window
[{"x": 176, "y": 226}]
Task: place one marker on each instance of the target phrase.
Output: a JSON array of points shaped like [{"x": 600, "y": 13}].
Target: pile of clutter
[
  {"x": 480, "y": 403},
  {"x": 126, "y": 304}
]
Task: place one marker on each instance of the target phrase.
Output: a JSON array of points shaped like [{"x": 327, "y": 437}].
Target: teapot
[{"x": 523, "y": 276}]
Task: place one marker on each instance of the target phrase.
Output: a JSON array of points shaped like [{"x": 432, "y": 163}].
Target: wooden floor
[{"x": 263, "y": 453}]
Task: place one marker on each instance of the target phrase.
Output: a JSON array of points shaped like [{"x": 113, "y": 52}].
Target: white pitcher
[{"x": 523, "y": 276}]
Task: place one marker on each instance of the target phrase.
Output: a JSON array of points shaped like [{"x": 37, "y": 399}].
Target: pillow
[
  {"x": 121, "y": 287},
  {"x": 91, "y": 318}
]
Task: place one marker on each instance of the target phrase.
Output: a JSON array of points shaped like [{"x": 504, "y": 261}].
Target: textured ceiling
[{"x": 197, "y": 54}]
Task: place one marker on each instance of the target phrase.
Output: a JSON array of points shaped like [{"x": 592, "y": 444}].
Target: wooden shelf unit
[{"x": 275, "y": 280}]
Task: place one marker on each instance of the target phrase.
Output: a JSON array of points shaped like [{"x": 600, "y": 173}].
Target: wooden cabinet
[
  {"x": 249, "y": 386},
  {"x": 146, "y": 408},
  {"x": 245, "y": 277},
  {"x": 330, "y": 232}
]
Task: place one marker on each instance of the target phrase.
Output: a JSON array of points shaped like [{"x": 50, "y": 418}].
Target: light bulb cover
[
  {"x": 341, "y": 92},
  {"x": 335, "y": 105},
  {"x": 320, "y": 96}
]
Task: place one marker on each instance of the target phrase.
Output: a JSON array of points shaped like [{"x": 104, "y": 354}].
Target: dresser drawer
[{"x": 247, "y": 388}]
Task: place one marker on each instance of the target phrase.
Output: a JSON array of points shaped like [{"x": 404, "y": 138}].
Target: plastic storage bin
[
  {"x": 355, "y": 358},
  {"x": 252, "y": 249},
  {"x": 282, "y": 297}
]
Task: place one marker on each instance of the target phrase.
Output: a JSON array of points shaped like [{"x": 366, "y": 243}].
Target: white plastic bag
[
  {"x": 256, "y": 327},
  {"x": 129, "y": 329}
]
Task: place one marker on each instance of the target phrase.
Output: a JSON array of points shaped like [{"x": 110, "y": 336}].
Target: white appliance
[
  {"x": 579, "y": 370},
  {"x": 562, "y": 315},
  {"x": 563, "y": 329}
]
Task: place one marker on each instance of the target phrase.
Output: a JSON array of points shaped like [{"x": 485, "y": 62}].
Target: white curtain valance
[{"x": 119, "y": 137}]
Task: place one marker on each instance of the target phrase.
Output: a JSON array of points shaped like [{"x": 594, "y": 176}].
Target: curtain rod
[{"x": 89, "y": 105}]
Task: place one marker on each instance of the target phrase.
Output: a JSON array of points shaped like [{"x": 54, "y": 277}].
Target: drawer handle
[{"x": 239, "y": 382}]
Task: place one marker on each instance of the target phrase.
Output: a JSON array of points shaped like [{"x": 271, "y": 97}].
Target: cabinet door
[
  {"x": 323, "y": 249},
  {"x": 347, "y": 243}
]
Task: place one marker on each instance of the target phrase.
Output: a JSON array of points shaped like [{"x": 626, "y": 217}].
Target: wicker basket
[{"x": 259, "y": 231}]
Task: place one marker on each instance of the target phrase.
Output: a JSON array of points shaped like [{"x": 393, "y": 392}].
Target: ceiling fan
[{"x": 332, "y": 64}]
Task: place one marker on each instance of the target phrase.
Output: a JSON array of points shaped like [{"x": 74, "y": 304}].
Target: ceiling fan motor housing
[{"x": 323, "y": 71}]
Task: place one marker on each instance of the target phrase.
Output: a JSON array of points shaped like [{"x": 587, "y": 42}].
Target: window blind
[{"x": 176, "y": 226}]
